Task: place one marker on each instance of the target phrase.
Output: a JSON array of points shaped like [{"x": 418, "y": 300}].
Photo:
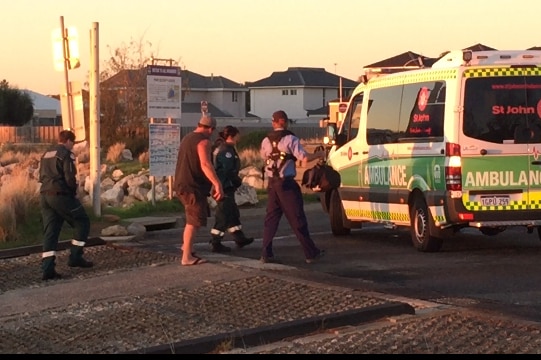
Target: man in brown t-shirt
[{"x": 195, "y": 177}]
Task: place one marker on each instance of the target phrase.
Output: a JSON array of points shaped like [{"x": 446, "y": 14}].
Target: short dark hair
[
  {"x": 66, "y": 135},
  {"x": 280, "y": 115},
  {"x": 228, "y": 131}
]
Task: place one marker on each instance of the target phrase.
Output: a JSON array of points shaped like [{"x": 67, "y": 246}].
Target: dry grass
[
  {"x": 114, "y": 153},
  {"x": 250, "y": 157},
  {"x": 11, "y": 157},
  {"x": 144, "y": 158},
  {"x": 18, "y": 194}
]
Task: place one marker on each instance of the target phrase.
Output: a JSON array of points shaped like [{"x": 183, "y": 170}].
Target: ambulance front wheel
[
  {"x": 420, "y": 227},
  {"x": 337, "y": 215}
]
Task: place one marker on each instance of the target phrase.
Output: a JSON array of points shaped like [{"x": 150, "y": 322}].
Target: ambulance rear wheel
[
  {"x": 337, "y": 216},
  {"x": 420, "y": 227}
]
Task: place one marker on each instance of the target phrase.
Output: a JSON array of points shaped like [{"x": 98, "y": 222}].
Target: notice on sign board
[
  {"x": 164, "y": 85},
  {"x": 164, "y": 141}
]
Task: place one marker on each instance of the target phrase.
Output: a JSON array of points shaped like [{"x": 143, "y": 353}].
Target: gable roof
[
  {"x": 479, "y": 47},
  {"x": 303, "y": 77},
  {"x": 43, "y": 102},
  {"x": 409, "y": 59},
  {"x": 190, "y": 80},
  {"x": 406, "y": 59}
]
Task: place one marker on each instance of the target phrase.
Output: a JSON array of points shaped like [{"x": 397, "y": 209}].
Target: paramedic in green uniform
[{"x": 227, "y": 217}]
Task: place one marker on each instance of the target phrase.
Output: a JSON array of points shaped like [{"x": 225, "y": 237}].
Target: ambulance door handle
[
  {"x": 536, "y": 162},
  {"x": 365, "y": 152},
  {"x": 356, "y": 153}
]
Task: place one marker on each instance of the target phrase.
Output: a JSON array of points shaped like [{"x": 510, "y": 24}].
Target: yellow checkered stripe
[
  {"x": 515, "y": 205},
  {"x": 378, "y": 215},
  {"x": 386, "y": 216},
  {"x": 439, "y": 219},
  {"x": 501, "y": 71}
]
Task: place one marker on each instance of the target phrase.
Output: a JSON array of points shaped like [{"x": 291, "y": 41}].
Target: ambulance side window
[
  {"x": 383, "y": 115},
  {"x": 350, "y": 126},
  {"x": 422, "y": 111}
]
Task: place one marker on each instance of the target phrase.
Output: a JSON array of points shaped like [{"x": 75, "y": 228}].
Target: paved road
[{"x": 372, "y": 293}]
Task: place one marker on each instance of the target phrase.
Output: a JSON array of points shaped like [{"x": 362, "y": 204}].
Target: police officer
[
  {"x": 58, "y": 202},
  {"x": 281, "y": 148},
  {"x": 227, "y": 217}
]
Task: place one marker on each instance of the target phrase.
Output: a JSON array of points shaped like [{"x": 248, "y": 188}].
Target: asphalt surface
[{"x": 139, "y": 299}]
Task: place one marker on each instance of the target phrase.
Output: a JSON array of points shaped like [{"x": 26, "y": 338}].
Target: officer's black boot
[
  {"x": 76, "y": 258},
  {"x": 217, "y": 246},
  {"x": 241, "y": 239},
  {"x": 48, "y": 268}
]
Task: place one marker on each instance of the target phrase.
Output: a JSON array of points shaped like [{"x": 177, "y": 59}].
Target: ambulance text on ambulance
[
  {"x": 502, "y": 178},
  {"x": 394, "y": 175}
]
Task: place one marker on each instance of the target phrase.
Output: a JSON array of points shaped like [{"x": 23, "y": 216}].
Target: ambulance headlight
[{"x": 325, "y": 140}]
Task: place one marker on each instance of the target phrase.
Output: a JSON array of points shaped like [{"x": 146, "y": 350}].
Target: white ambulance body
[{"x": 440, "y": 149}]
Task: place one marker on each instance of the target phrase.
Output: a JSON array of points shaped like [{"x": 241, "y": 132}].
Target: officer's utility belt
[{"x": 55, "y": 193}]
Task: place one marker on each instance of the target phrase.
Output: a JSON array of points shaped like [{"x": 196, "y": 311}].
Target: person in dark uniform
[
  {"x": 227, "y": 216},
  {"x": 281, "y": 148},
  {"x": 58, "y": 202}
]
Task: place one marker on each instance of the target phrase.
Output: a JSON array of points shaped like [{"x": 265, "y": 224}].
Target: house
[
  {"x": 226, "y": 99},
  {"x": 302, "y": 92},
  {"x": 409, "y": 60},
  {"x": 47, "y": 110}
]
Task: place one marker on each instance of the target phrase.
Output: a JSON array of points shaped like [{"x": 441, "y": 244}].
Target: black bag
[{"x": 321, "y": 178}]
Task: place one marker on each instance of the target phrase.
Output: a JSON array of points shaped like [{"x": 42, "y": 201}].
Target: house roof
[
  {"x": 303, "y": 77},
  {"x": 43, "y": 102},
  {"x": 410, "y": 59},
  {"x": 190, "y": 80}
]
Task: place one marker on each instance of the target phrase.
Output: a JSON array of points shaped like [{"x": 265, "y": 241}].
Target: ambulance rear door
[{"x": 500, "y": 142}]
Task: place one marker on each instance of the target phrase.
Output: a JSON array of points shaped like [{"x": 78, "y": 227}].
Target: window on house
[
  {"x": 285, "y": 92},
  {"x": 293, "y": 92},
  {"x": 234, "y": 96}
]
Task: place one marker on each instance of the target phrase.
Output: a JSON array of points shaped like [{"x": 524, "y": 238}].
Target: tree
[
  {"x": 123, "y": 94},
  {"x": 16, "y": 106}
]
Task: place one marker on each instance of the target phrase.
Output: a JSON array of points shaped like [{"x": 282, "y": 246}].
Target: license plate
[{"x": 491, "y": 200}]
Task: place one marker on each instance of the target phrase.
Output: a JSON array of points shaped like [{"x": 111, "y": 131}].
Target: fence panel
[
  {"x": 29, "y": 134},
  {"x": 49, "y": 134}
]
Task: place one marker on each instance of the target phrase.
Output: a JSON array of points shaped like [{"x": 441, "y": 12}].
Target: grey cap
[{"x": 207, "y": 120}]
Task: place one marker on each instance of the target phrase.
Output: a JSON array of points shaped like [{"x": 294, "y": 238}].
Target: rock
[{"x": 114, "y": 230}]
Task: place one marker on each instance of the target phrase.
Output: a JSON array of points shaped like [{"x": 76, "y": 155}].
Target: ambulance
[{"x": 440, "y": 149}]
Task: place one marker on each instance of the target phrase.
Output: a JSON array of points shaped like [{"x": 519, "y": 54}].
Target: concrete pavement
[{"x": 139, "y": 299}]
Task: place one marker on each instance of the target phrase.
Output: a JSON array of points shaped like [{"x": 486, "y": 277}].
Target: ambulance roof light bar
[{"x": 457, "y": 58}]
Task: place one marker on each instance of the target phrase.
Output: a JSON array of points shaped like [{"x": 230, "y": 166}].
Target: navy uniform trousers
[
  {"x": 55, "y": 209},
  {"x": 285, "y": 198}
]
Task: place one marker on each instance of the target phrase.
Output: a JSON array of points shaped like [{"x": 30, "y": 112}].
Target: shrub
[
  {"x": 250, "y": 157},
  {"x": 137, "y": 145},
  {"x": 114, "y": 153},
  {"x": 251, "y": 140},
  {"x": 144, "y": 158}
]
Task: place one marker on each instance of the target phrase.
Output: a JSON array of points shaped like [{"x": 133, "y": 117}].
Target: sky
[{"x": 248, "y": 40}]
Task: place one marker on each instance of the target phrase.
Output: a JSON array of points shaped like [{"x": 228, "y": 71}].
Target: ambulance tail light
[{"x": 453, "y": 169}]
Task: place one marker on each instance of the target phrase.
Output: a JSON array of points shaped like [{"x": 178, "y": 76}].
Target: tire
[
  {"x": 420, "y": 223},
  {"x": 337, "y": 216}
]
